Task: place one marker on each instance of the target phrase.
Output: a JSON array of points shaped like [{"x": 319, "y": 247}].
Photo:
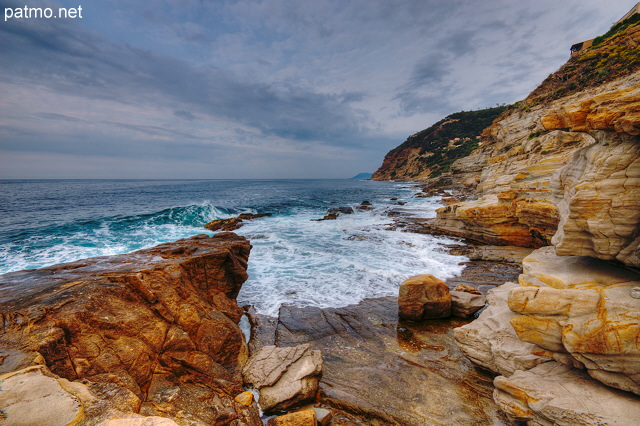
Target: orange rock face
[
  {"x": 160, "y": 322},
  {"x": 618, "y": 111}
]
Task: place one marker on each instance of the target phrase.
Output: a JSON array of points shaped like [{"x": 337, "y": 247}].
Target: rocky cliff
[
  {"x": 150, "y": 333},
  {"x": 560, "y": 171},
  {"x": 517, "y": 188},
  {"x": 566, "y": 170}
]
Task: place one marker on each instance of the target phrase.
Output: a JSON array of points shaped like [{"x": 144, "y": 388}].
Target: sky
[{"x": 248, "y": 89}]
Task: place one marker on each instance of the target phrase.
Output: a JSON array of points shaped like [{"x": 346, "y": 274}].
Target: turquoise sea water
[{"x": 294, "y": 259}]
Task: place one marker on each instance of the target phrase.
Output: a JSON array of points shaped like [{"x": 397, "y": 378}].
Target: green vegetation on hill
[
  {"x": 611, "y": 56},
  {"x": 449, "y": 139}
]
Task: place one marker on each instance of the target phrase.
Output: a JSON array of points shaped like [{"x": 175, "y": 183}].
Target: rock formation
[
  {"x": 233, "y": 223},
  {"x": 158, "y": 326},
  {"x": 382, "y": 371},
  {"x": 560, "y": 172},
  {"x": 424, "y": 297},
  {"x": 284, "y": 376},
  {"x": 581, "y": 310}
]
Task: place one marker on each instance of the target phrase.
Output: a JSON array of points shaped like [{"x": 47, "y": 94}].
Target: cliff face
[
  {"x": 572, "y": 323},
  {"x": 519, "y": 176},
  {"x": 158, "y": 326},
  {"x": 564, "y": 159}
]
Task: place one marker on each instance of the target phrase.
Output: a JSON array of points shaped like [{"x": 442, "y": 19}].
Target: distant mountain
[{"x": 362, "y": 176}]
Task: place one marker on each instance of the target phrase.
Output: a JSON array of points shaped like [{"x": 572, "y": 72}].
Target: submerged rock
[{"x": 424, "y": 297}]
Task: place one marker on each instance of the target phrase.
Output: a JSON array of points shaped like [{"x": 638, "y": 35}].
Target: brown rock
[
  {"x": 466, "y": 288},
  {"x": 233, "y": 223},
  {"x": 382, "y": 371},
  {"x": 424, "y": 297},
  {"x": 160, "y": 323},
  {"x": 230, "y": 224},
  {"x": 464, "y": 304},
  {"x": 298, "y": 418}
]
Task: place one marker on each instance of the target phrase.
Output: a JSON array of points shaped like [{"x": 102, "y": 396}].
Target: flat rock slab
[{"x": 385, "y": 372}]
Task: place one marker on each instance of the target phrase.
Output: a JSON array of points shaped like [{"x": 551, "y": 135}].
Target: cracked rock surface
[{"x": 160, "y": 323}]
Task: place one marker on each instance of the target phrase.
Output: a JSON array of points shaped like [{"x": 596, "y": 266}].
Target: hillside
[{"x": 431, "y": 152}]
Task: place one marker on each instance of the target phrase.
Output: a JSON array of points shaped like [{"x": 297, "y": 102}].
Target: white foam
[{"x": 336, "y": 263}]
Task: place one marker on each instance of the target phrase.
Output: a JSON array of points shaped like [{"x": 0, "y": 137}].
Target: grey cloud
[
  {"x": 187, "y": 115},
  {"x": 76, "y": 61}
]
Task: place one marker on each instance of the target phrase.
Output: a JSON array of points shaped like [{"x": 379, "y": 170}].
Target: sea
[{"x": 294, "y": 260}]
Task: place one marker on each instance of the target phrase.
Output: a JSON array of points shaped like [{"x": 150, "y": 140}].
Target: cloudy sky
[{"x": 263, "y": 89}]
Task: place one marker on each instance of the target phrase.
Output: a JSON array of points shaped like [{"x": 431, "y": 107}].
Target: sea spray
[{"x": 294, "y": 259}]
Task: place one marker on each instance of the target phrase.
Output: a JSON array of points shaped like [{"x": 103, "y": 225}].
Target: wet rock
[
  {"x": 233, "y": 223},
  {"x": 340, "y": 210},
  {"x": 251, "y": 216},
  {"x": 285, "y": 376},
  {"x": 484, "y": 275},
  {"x": 334, "y": 212},
  {"x": 159, "y": 323},
  {"x": 553, "y": 393},
  {"x": 504, "y": 254},
  {"x": 424, "y": 297},
  {"x": 365, "y": 205},
  {"x": 230, "y": 224},
  {"x": 379, "y": 371},
  {"x": 298, "y": 418}
]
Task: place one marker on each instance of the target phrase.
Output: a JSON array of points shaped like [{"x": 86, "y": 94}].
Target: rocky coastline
[{"x": 547, "y": 209}]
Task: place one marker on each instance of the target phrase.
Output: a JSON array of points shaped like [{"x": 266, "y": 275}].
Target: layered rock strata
[
  {"x": 582, "y": 311},
  {"x": 570, "y": 326},
  {"x": 158, "y": 324},
  {"x": 514, "y": 172}
]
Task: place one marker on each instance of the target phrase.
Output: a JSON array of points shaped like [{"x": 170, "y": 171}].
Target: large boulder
[
  {"x": 284, "y": 376},
  {"x": 159, "y": 323},
  {"x": 424, "y": 297},
  {"x": 583, "y": 312}
]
